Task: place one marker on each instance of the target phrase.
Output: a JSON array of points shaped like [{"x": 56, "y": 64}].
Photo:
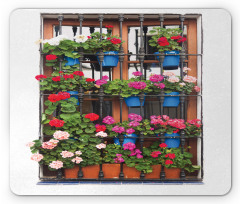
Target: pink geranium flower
[
  {"x": 37, "y": 157},
  {"x": 61, "y": 135},
  {"x": 56, "y": 164}
]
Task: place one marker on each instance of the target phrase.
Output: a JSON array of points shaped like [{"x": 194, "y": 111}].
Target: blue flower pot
[
  {"x": 74, "y": 96},
  {"x": 172, "y": 143},
  {"x": 170, "y": 62},
  {"x": 130, "y": 138},
  {"x": 171, "y": 101},
  {"x": 133, "y": 101},
  {"x": 71, "y": 61},
  {"x": 109, "y": 61}
]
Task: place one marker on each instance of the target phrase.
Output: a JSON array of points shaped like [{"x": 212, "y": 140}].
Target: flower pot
[
  {"x": 91, "y": 172},
  {"x": 130, "y": 172},
  {"x": 171, "y": 101},
  {"x": 109, "y": 61},
  {"x": 111, "y": 170},
  {"x": 155, "y": 173},
  {"x": 173, "y": 173},
  {"x": 133, "y": 101},
  {"x": 71, "y": 173},
  {"x": 71, "y": 61},
  {"x": 74, "y": 96},
  {"x": 170, "y": 62},
  {"x": 172, "y": 143},
  {"x": 130, "y": 138}
]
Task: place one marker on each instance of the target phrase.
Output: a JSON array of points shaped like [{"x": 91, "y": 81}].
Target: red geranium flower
[
  {"x": 109, "y": 38},
  {"x": 183, "y": 39},
  {"x": 170, "y": 155},
  {"x": 61, "y": 72},
  {"x": 168, "y": 162},
  {"x": 79, "y": 73},
  {"x": 155, "y": 154},
  {"x": 51, "y": 57},
  {"x": 90, "y": 80},
  {"x": 109, "y": 26},
  {"x": 68, "y": 76},
  {"x": 100, "y": 128},
  {"x": 89, "y": 37},
  {"x": 54, "y": 98},
  {"x": 176, "y": 37},
  {"x": 64, "y": 95},
  {"x": 163, "y": 41},
  {"x": 57, "y": 78},
  {"x": 163, "y": 145},
  {"x": 115, "y": 41},
  {"x": 176, "y": 131},
  {"x": 56, "y": 123},
  {"x": 92, "y": 116},
  {"x": 38, "y": 77}
]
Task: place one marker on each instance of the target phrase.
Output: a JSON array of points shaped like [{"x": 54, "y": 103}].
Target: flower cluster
[
  {"x": 159, "y": 85},
  {"x": 137, "y": 73},
  {"x": 90, "y": 80},
  {"x": 109, "y": 26},
  {"x": 137, "y": 85},
  {"x": 56, "y": 123},
  {"x": 56, "y": 40},
  {"x": 129, "y": 146},
  {"x": 50, "y": 144},
  {"x": 135, "y": 117},
  {"x": 177, "y": 123},
  {"x": 137, "y": 153},
  {"x": 92, "y": 116},
  {"x": 189, "y": 79},
  {"x": 170, "y": 155},
  {"x": 115, "y": 41},
  {"x": 133, "y": 124},
  {"x": 108, "y": 120},
  {"x": 163, "y": 41},
  {"x": 100, "y": 82},
  {"x": 37, "y": 157},
  {"x": 100, "y": 128},
  {"x": 78, "y": 73},
  {"x": 118, "y": 129},
  {"x": 101, "y": 146},
  {"x": 197, "y": 89},
  {"x": 68, "y": 76},
  {"x": 168, "y": 74},
  {"x": 118, "y": 159},
  {"x": 179, "y": 38},
  {"x": 156, "y": 78},
  {"x": 56, "y": 164},
  {"x": 101, "y": 134},
  {"x": 195, "y": 122},
  {"x": 173, "y": 79},
  {"x": 66, "y": 154},
  {"x": 77, "y": 160},
  {"x": 51, "y": 57},
  {"x": 80, "y": 38},
  {"x": 163, "y": 145},
  {"x": 41, "y": 76},
  {"x": 130, "y": 131},
  {"x": 61, "y": 135},
  {"x": 155, "y": 154},
  {"x": 58, "y": 97},
  {"x": 57, "y": 78}
]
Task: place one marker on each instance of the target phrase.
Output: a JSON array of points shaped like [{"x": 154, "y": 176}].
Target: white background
[{"x": 231, "y": 6}]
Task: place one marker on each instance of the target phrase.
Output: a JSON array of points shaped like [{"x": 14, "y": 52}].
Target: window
[{"x": 134, "y": 30}]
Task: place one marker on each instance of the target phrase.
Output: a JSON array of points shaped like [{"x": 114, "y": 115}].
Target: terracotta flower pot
[
  {"x": 111, "y": 170},
  {"x": 155, "y": 173},
  {"x": 130, "y": 172},
  {"x": 173, "y": 173},
  {"x": 71, "y": 173},
  {"x": 91, "y": 171}
]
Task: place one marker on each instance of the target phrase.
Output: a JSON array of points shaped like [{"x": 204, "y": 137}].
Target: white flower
[
  {"x": 101, "y": 146},
  {"x": 77, "y": 160},
  {"x": 182, "y": 84},
  {"x": 185, "y": 69},
  {"x": 56, "y": 40},
  {"x": 80, "y": 38},
  {"x": 102, "y": 134},
  {"x": 78, "y": 152}
]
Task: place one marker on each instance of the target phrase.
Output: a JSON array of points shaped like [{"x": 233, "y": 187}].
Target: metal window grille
[{"x": 141, "y": 55}]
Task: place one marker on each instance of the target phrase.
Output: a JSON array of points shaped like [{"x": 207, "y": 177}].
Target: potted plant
[
  {"x": 174, "y": 85},
  {"x": 167, "y": 41},
  {"x": 63, "y": 46},
  {"x": 110, "y": 46}
]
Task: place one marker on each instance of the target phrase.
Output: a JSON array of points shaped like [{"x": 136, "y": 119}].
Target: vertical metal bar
[
  {"x": 182, "y": 98},
  {"x": 161, "y": 98},
  {"x": 141, "y": 59},
  {"x": 81, "y": 91},
  {"x": 121, "y": 58},
  {"x": 74, "y": 29},
  {"x": 60, "y": 19},
  {"x": 101, "y": 93},
  {"x": 56, "y": 30},
  {"x": 92, "y": 29}
]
